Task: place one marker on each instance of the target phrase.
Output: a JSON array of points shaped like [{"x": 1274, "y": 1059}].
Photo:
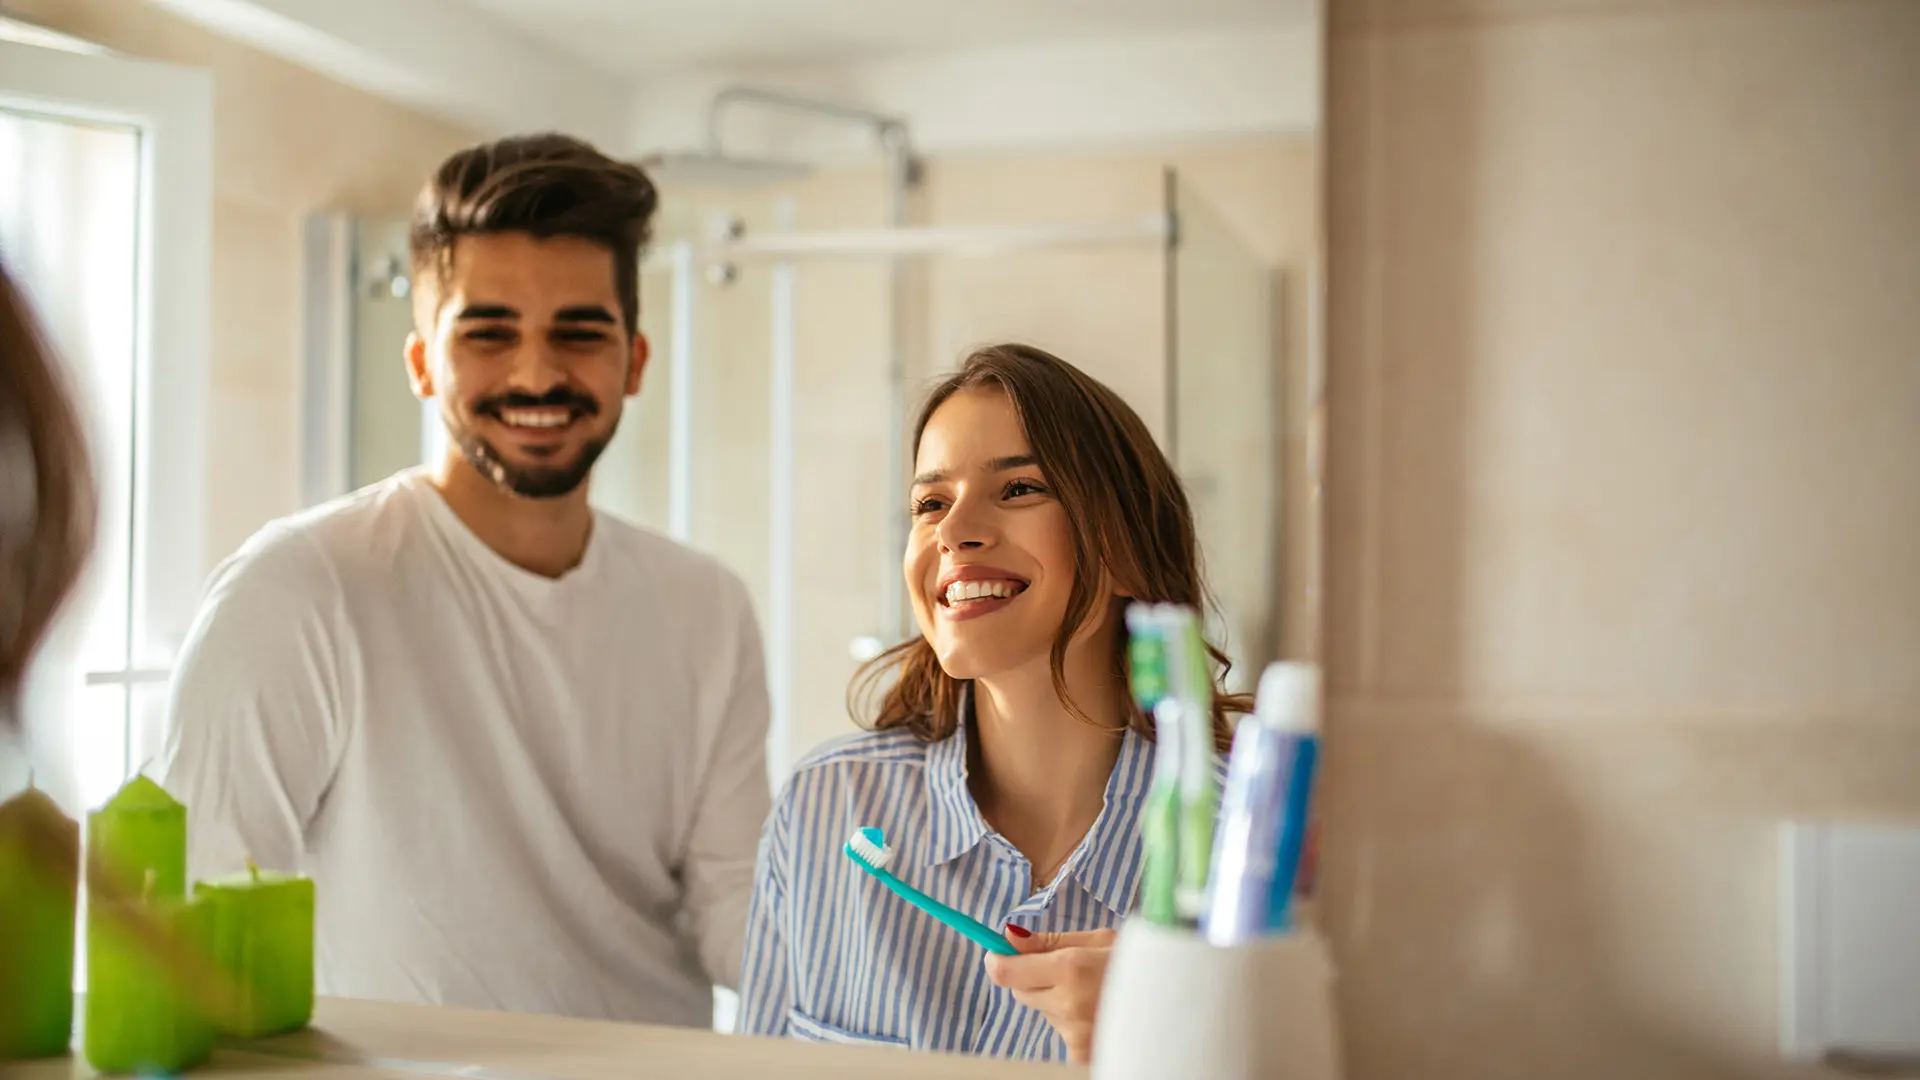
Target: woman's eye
[
  {"x": 1021, "y": 488},
  {"x": 929, "y": 505}
]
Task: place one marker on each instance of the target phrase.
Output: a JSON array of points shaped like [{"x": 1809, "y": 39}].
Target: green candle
[
  {"x": 147, "y": 984},
  {"x": 262, "y": 927},
  {"x": 39, "y": 885},
  {"x": 141, "y": 831}
]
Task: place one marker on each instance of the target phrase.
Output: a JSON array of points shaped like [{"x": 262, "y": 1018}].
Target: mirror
[{"x": 844, "y": 217}]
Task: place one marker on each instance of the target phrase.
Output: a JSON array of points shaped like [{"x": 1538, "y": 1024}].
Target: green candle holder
[
  {"x": 39, "y": 890},
  {"x": 262, "y": 937}
]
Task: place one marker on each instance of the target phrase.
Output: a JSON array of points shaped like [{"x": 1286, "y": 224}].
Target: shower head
[{"x": 708, "y": 168}]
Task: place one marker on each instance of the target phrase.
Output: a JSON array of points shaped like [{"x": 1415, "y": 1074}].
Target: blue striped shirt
[{"x": 834, "y": 956}]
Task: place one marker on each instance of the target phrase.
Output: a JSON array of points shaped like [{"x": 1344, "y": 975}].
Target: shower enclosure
[{"x": 796, "y": 318}]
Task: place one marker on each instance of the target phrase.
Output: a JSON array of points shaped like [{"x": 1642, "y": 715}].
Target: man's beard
[{"x": 528, "y": 481}]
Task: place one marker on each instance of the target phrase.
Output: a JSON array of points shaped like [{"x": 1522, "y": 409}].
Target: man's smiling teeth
[
  {"x": 537, "y": 418},
  {"x": 979, "y": 590}
]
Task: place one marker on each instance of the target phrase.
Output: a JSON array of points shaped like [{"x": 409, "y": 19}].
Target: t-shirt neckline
[{"x": 451, "y": 525}]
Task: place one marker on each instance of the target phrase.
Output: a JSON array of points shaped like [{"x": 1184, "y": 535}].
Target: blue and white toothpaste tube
[{"x": 1264, "y": 810}]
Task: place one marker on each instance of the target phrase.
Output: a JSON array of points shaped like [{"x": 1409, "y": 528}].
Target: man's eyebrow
[
  {"x": 586, "y": 313},
  {"x": 487, "y": 311}
]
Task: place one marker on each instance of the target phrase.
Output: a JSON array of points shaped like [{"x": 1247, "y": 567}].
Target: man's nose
[{"x": 536, "y": 366}]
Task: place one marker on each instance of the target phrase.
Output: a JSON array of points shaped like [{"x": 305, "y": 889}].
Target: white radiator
[{"x": 1850, "y": 942}]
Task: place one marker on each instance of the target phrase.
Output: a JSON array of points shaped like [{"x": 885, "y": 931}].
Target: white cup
[{"x": 1175, "y": 1007}]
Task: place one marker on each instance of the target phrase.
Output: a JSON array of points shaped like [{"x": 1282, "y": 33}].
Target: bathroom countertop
[{"x": 364, "y": 1040}]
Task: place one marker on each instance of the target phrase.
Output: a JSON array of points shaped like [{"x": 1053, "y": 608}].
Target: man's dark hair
[{"x": 547, "y": 185}]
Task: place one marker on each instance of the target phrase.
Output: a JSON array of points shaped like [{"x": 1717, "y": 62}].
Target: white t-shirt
[{"x": 512, "y": 792}]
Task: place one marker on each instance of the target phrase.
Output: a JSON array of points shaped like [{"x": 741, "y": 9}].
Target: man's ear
[
  {"x": 419, "y": 374},
  {"x": 637, "y": 365}
]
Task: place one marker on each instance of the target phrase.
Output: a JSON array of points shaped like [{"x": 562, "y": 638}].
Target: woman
[{"x": 1007, "y": 764}]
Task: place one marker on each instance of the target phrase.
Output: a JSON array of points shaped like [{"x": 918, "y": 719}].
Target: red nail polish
[{"x": 1018, "y": 932}]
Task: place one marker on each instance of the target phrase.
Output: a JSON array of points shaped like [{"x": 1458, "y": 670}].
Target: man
[{"x": 518, "y": 744}]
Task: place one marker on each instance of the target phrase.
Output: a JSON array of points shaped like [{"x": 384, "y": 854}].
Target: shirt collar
[
  {"x": 1107, "y": 863},
  {"x": 953, "y": 820}
]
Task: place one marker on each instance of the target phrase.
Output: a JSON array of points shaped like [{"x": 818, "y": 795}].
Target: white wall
[
  {"x": 1029, "y": 96},
  {"x": 440, "y": 57}
]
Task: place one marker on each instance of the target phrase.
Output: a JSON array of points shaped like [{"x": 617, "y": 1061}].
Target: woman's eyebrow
[{"x": 999, "y": 464}]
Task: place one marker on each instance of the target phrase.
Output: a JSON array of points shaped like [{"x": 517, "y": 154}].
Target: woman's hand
[{"x": 1059, "y": 975}]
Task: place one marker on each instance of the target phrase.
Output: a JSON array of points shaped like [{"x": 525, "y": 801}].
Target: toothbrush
[
  {"x": 1160, "y": 821},
  {"x": 1190, "y": 679},
  {"x": 868, "y": 848}
]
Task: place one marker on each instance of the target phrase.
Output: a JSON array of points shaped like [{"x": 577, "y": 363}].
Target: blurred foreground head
[{"x": 46, "y": 492}]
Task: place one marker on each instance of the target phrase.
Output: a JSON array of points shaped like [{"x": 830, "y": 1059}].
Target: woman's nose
[{"x": 964, "y": 528}]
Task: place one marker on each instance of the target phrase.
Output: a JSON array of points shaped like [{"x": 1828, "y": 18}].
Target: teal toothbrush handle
[{"x": 978, "y": 932}]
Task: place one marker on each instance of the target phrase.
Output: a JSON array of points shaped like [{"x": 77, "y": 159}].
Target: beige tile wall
[
  {"x": 1625, "y": 376},
  {"x": 286, "y": 142}
]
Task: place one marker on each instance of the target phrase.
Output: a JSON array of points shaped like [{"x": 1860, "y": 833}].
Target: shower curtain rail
[{"x": 967, "y": 241}]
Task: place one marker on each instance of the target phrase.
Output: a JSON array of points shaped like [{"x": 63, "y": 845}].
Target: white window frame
[{"x": 172, "y": 108}]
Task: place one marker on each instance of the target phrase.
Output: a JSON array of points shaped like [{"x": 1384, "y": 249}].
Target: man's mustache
[{"x": 560, "y": 397}]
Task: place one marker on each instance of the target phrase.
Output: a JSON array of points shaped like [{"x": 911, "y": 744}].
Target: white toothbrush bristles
[{"x": 875, "y": 855}]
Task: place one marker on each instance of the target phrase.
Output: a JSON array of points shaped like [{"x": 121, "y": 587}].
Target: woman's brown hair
[
  {"x": 1128, "y": 515},
  {"x": 46, "y": 492}
]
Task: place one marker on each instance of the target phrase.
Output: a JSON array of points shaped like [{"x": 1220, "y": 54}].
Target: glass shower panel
[{"x": 1226, "y": 416}]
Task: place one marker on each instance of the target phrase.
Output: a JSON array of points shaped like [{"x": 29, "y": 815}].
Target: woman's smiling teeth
[
  {"x": 536, "y": 418},
  {"x": 962, "y": 591}
]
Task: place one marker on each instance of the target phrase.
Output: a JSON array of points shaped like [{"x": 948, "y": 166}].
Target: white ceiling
[{"x": 634, "y": 38}]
